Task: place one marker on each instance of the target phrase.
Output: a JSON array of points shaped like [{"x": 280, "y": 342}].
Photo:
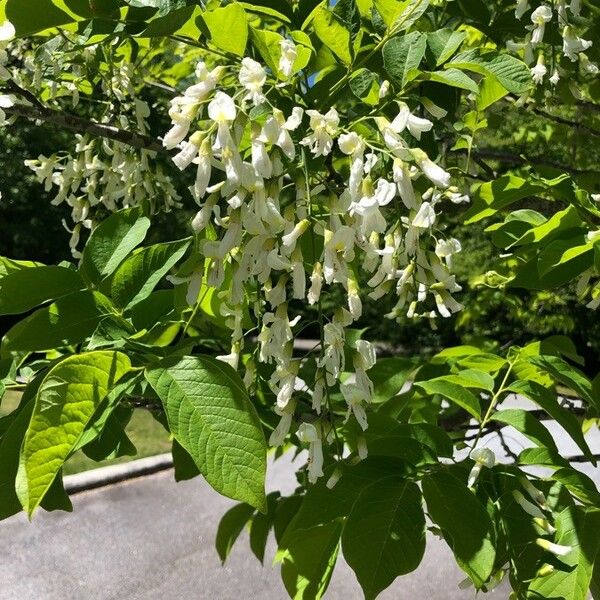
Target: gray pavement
[{"x": 152, "y": 538}]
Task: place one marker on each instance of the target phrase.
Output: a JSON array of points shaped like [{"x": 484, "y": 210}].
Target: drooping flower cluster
[
  {"x": 564, "y": 17},
  {"x": 284, "y": 232},
  {"x": 97, "y": 173}
]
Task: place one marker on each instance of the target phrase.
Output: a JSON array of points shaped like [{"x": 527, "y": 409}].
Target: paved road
[{"x": 153, "y": 539}]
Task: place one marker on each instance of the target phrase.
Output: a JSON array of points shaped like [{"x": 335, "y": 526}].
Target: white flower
[
  {"x": 539, "y": 71},
  {"x": 7, "y": 32},
  {"x": 539, "y": 17},
  {"x": 351, "y": 143},
  {"x": 189, "y": 152},
  {"x": 403, "y": 180},
  {"x": 5, "y": 102},
  {"x": 483, "y": 457},
  {"x": 521, "y": 9},
  {"x": 308, "y": 434},
  {"x": 289, "y": 240},
  {"x": 368, "y": 207},
  {"x": 231, "y": 359},
  {"x": 283, "y": 427},
  {"x": 276, "y": 130},
  {"x": 316, "y": 282},
  {"x": 575, "y": 7},
  {"x": 425, "y": 217},
  {"x": 176, "y": 134},
  {"x": 207, "y": 80},
  {"x": 384, "y": 90},
  {"x": 406, "y": 120},
  {"x": 289, "y": 53},
  {"x": 366, "y": 354},
  {"x": 203, "y": 160},
  {"x": 573, "y": 45},
  {"x": 320, "y": 141},
  {"x": 528, "y": 507},
  {"x": 555, "y": 77},
  {"x": 354, "y": 397},
  {"x": 252, "y": 76},
  {"x": 445, "y": 248},
  {"x": 556, "y": 549},
  {"x": 222, "y": 108},
  {"x": 433, "y": 172}
]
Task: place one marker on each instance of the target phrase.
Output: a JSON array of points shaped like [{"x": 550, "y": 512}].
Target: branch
[
  {"x": 517, "y": 159},
  {"x": 81, "y": 125},
  {"x": 579, "y": 458},
  {"x": 568, "y": 122}
]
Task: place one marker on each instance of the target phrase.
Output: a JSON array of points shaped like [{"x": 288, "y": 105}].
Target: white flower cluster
[
  {"x": 99, "y": 172},
  {"x": 248, "y": 160},
  {"x": 106, "y": 173},
  {"x": 565, "y": 15}
]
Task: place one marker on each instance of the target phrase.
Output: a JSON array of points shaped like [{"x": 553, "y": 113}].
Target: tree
[{"x": 328, "y": 147}]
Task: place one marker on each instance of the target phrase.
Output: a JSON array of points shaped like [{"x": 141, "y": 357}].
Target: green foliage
[
  {"x": 210, "y": 415},
  {"x": 139, "y": 319}
]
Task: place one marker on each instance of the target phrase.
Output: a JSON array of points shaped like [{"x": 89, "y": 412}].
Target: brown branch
[
  {"x": 517, "y": 159},
  {"x": 568, "y": 122},
  {"x": 81, "y": 125}
]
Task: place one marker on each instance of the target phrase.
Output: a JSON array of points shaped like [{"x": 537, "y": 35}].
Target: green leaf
[
  {"x": 579, "y": 484},
  {"x": 453, "y": 392},
  {"x": 183, "y": 464},
  {"x": 175, "y": 21},
  {"x": 10, "y": 446},
  {"x": 69, "y": 320},
  {"x": 580, "y": 529},
  {"x": 443, "y": 43},
  {"x": 211, "y": 416},
  {"x": 524, "y": 422},
  {"x": 547, "y": 400},
  {"x": 563, "y": 220},
  {"x": 112, "y": 241},
  {"x": 40, "y": 15},
  {"x": 465, "y": 524},
  {"x": 364, "y": 84},
  {"x": 490, "y": 91},
  {"x": 573, "y": 378},
  {"x": 228, "y": 27},
  {"x": 454, "y": 78},
  {"x": 66, "y": 401},
  {"x": 400, "y": 14},
  {"x": 495, "y": 195},
  {"x": 309, "y": 559},
  {"x": 24, "y": 289},
  {"x": 9, "y": 265},
  {"x": 511, "y": 72},
  {"x": 260, "y": 526},
  {"x": 135, "y": 279},
  {"x": 230, "y": 527},
  {"x": 332, "y": 33},
  {"x": 389, "y": 376},
  {"x": 384, "y": 536},
  {"x": 268, "y": 45},
  {"x": 402, "y": 56}
]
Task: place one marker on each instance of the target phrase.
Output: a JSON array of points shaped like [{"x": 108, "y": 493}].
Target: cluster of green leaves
[
  {"x": 108, "y": 335},
  {"x": 97, "y": 337},
  {"x": 377, "y": 511},
  {"x": 545, "y": 252}
]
